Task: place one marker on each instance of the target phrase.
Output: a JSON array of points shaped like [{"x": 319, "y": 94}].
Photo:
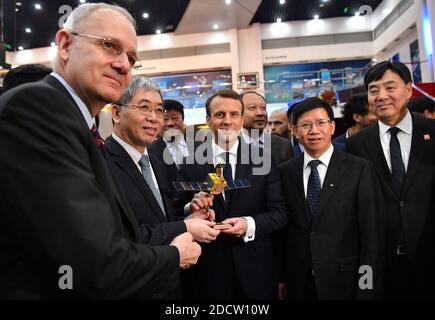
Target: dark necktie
[
  {"x": 98, "y": 139},
  {"x": 144, "y": 162},
  {"x": 397, "y": 166},
  {"x": 228, "y": 171},
  {"x": 313, "y": 189}
]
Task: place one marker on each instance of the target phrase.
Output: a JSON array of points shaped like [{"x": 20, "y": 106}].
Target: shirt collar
[
  {"x": 82, "y": 106},
  {"x": 405, "y": 125},
  {"x": 325, "y": 158},
  {"x": 217, "y": 150},
  {"x": 248, "y": 139},
  {"x": 134, "y": 154}
]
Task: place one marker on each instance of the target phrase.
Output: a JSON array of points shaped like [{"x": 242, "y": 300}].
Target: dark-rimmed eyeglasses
[{"x": 113, "y": 48}]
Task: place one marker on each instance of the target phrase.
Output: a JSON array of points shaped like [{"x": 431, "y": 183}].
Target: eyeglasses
[
  {"x": 322, "y": 124},
  {"x": 144, "y": 109},
  {"x": 113, "y": 48}
]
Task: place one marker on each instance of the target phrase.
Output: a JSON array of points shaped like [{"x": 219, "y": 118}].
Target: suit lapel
[
  {"x": 376, "y": 154},
  {"x": 418, "y": 147},
  {"x": 123, "y": 160},
  {"x": 334, "y": 173}
]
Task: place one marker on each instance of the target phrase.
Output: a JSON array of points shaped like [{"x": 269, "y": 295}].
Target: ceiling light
[
  {"x": 28, "y": 30},
  {"x": 158, "y": 31},
  {"x": 53, "y": 44},
  {"x": 278, "y": 20},
  {"x": 38, "y": 6},
  {"x": 281, "y": 1},
  {"x": 316, "y": 17},
  {"x": 357, "y": 13},
  {"x": 325, "y": 0},
  {"x": 20, "y": 48},
  {"x": 16, "y": 9},
  {"x": 228, "y": 1},
  {"x": 19, "y": 4},
  {"x": 82, "y": 1},
  {"x": 215, "y": 26},
  {"x": 145, "y": 15}
]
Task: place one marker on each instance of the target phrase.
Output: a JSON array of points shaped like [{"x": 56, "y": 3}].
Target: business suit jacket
[
  {"x": 61, "y": 206},
  {"x": 156, "y": 227},
  {"x": 341, "y": 139},
  {"x": 253, "y": 263},
  {"x": 412, "y": 210},
  {"x": 343, "y": 236},
  {"x": 281, "y": 149},
  {"x": 157, "y": 148}
]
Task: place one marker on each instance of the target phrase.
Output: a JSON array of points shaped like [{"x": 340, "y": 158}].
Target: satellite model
[{"x": 214, "y": 184}]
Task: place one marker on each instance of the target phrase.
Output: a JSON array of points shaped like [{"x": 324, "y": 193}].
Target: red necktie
[{"x": 98, "y": 140}]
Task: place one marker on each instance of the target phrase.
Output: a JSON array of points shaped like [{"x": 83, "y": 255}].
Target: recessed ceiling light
[
  {"x": 228, "y": 1},
  {"x": 18, "y": 3},
  {"x": 158, "y": 31},
  {"x": 20, "y": 48},
  {"x": 28, "y": 30},
  {"x": 53, "y": 44},
  {"x": 145, "y": 15},
  {"x": 316, "y": 16},
  {"x": 281, "y": 1},
  {"x": 357, "y": 13},
  {"x": 215, "y": 26},
  {"x": 278, "y": 20},
  {"x": 38, "y": 6}
]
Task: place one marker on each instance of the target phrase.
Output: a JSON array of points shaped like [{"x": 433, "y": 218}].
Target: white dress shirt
[
  {"x": 178, "y": 149},
  {"x": 254, "y": 140},
  {"x": 136, "y": 156},
  {"x": 404, "y": 136},
  {"x": 82, "y": 106},
  {"x": 322, "y": 167}
]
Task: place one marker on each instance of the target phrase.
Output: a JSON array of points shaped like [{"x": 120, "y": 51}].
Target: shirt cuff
[
  {"x": 187, "y": 209},
  {"x": 250, "y": 233}
]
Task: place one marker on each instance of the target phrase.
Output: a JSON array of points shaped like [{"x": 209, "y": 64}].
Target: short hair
[
  {"x": 231, "y": 94},
  {"x": 310, "y": 104},
  {"x": 24, "y": 74},
  {"x": 170, "y": 104},
  {"x": 377, "y": 71},
  {"x": 358, "y": 104},
  {"x": 136, "y": 83},
  {"x": 421, "y": 104},
  {"x": 244, "y": 93},
  {"x": 80, "y": 13}
]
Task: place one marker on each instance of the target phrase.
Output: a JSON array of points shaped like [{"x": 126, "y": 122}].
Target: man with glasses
[
  {"x": 66, "y": 229},
  {"x": 333, "y": 226},
  {"x": 138, "y": 118}
]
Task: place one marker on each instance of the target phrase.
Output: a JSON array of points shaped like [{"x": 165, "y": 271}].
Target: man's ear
[
  {"x": 116, "y": 113},
  {"x": 357, "y": 118},
  {"x": 63, "y": 41}
]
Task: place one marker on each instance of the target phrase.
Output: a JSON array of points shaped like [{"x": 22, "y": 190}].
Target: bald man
[{"x": 279, "y": 125}]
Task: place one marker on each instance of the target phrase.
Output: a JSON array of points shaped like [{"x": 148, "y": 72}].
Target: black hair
[
  {"x": 357, "y": 104},
  {"x": 231, "y": 94},
  {"x": 377, "y": 71},
  {"x": 244, "y": 93},
  {"x": 169, "y": 104},
  {"x": 421, "y": 104},
  {"x": 24, "y": 74},
  {"x": 310, "y": 104}
]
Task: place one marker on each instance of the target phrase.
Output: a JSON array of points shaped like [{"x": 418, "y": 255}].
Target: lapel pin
[
  {"x": 331, "y": 185},
  {"x": 426, "y": 136}
]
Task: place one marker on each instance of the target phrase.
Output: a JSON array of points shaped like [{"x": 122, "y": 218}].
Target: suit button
[{"x": 402, "y": 204}]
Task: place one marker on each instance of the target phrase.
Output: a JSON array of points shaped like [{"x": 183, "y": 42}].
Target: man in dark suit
[
  {"x": 357, "y": 115},
  {"x": 171, "y": 147},
  {"x": 402, "y": 149},
  {"x": 254, "y": 122},
  {"x": 241, "y": 263},
  {"x": 333, "y": 226},
  {"x": 138, "y": 118},
  {"x": 66, "y": 229}
]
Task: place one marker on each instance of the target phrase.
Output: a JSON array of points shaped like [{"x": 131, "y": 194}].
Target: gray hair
[
  {"x": 138, "y": 82},
  {"x": 80, "y": 13}
]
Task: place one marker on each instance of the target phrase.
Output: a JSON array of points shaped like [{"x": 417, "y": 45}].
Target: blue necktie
[
  {"x": 397, "y": 166},
  {"x": 228, "y": 171},
  {"x": 144, "y": 162},
  {"x": 313, "y": 189}
]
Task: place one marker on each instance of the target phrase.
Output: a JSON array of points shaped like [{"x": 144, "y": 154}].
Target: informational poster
[{"x": 415, "y": 59}]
